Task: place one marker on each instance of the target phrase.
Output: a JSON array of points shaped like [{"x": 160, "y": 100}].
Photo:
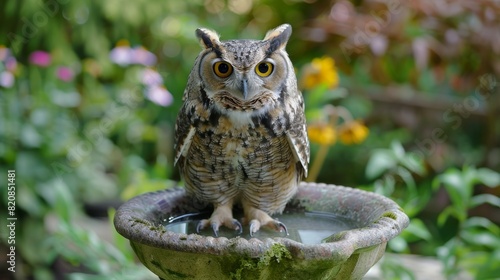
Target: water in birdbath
[{"x": 304, "y": 227}]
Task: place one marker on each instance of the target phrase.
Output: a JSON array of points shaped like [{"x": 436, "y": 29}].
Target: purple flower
[
  {"x": 378, "y": 45},
  {"x": 121, "y": 55},
  {"x": 65, "y": 74},
  {"x": 159, "y": 95},
  {"x": 150, "y": 77},
  {"x": 142, "y": 56},
  {"x": 40, "y": 58},
  {"x": 6, "y": 79},
  {"x": 11, "y": 63}
]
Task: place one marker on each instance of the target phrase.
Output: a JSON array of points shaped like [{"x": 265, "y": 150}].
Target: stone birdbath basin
[{"x": 334, "y": 233}]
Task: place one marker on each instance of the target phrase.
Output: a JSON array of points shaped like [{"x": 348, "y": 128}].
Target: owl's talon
[
  {"x": 222, "y": 216},
  {"x": 252, "y": 230},
  {"x": 215, "y": 228},
  {"x": 200, "y": 226},
  {"x": 282, "y": 227},
  {"x": 237, "y": 226},
  {"x": 268, "y": 222},
  {"x": 254, "y": 227}
]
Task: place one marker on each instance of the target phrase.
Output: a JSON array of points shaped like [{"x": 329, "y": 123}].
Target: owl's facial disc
[{"x": 246, "y": 81}]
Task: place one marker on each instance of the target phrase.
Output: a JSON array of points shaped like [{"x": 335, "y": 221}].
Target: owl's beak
[{"x": 244, "y": 88}]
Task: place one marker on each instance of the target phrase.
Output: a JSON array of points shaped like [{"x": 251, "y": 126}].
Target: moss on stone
[
  {"x": 276, "y": 254},
  {"x": 151, "y": 226},
  {"x": 335, "y": 237},
  {"x": 390, "y": 215}
]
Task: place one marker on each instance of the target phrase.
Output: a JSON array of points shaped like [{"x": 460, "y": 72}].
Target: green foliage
[
  {"x": 394, "y": 167},
  {"x": 105, "y": 261},
  {"x": 394, "y": 270},
  {"x": 460, "y": 186},
  {"x": 476, "y": 239},
  {"x": 395, "y": 170}
]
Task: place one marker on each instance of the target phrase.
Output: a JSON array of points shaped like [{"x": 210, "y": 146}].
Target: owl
[{"x": 240, "y": 135}]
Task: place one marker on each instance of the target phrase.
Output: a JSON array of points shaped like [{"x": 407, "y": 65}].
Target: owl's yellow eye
[
  {"x": 264, "y": 69},
  {"x": 223, "y": 69}
]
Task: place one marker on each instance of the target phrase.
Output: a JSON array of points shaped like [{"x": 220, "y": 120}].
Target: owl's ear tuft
[
  {"x": 278, "y": 37},
  {"x": 208, "y": 38}
]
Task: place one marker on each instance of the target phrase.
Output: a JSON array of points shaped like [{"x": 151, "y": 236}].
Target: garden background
[{"x": 402, "y": 99}]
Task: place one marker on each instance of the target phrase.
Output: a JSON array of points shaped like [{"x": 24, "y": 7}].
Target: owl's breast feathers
[{"x": 242, "y": 135}]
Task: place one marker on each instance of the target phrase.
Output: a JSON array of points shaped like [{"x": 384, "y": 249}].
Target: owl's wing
[
  {"x": 184, "y": 132},
  {"x": 297, "y": 138},
  {"x": 300, "y": 148}
]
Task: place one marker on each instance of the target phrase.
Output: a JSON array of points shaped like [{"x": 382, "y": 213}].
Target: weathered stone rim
[{"x": 135, "y": 220}]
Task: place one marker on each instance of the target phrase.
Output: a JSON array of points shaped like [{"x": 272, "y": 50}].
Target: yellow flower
[
  {"x": 321, "y": 133},
  {"x": 122, "y": 43},
  {"x": 320, "y": 71},
  {"x": 353, "y": 132}
]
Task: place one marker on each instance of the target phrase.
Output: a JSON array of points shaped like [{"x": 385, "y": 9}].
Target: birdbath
[{"x": 335, "y": 232}]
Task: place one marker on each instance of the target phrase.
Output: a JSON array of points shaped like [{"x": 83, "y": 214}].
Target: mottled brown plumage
[{"x": 241, "y": 133}]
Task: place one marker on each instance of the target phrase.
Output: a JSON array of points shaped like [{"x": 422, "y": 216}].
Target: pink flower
[
  {"x": 40, "y": 58},
  {"x": 65, "y": 73},
  {"x": 142, "y": 56},
  {"x": 159, "y": 95}
]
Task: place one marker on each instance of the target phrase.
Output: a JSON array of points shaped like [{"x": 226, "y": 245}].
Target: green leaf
[
  {"x": 481, "y": 238},
  {"x": 484, "y": 198},
  {"x": 469, "y": 177},
  {"x": 489, "y": 268},
  {"x": 412, "y": 206},
  {"x": 436, "y": 183},
  {"x": 459, "y": 192},
  {"x": 448, "y": 211},
  {"x": 64, "y": 202},
  {"x": 418, "y": 229},
  {"x": 397, "y": 148},
  {"x": 380, "y": 162},
  {"x": 314, "y": 114},
  {"x": 408, "y": 179},
  {"x": 314, "y": 98},
  {"x": 392, "y": 268},
  {"x": 413, "y": 163},
  {"x": 448, "y": 255},
  {"x": 398, "y": 244},
  {"x": 30, "y": 136},
  {"x": 481, "y": 222},
  {"x": 488, "y": 177},
  {"x": 385, "y": 186},
  {"x": 68, "y": 99}
]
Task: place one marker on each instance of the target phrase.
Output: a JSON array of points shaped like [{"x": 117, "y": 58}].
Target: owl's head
[{"x": 245, "y": 74}]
